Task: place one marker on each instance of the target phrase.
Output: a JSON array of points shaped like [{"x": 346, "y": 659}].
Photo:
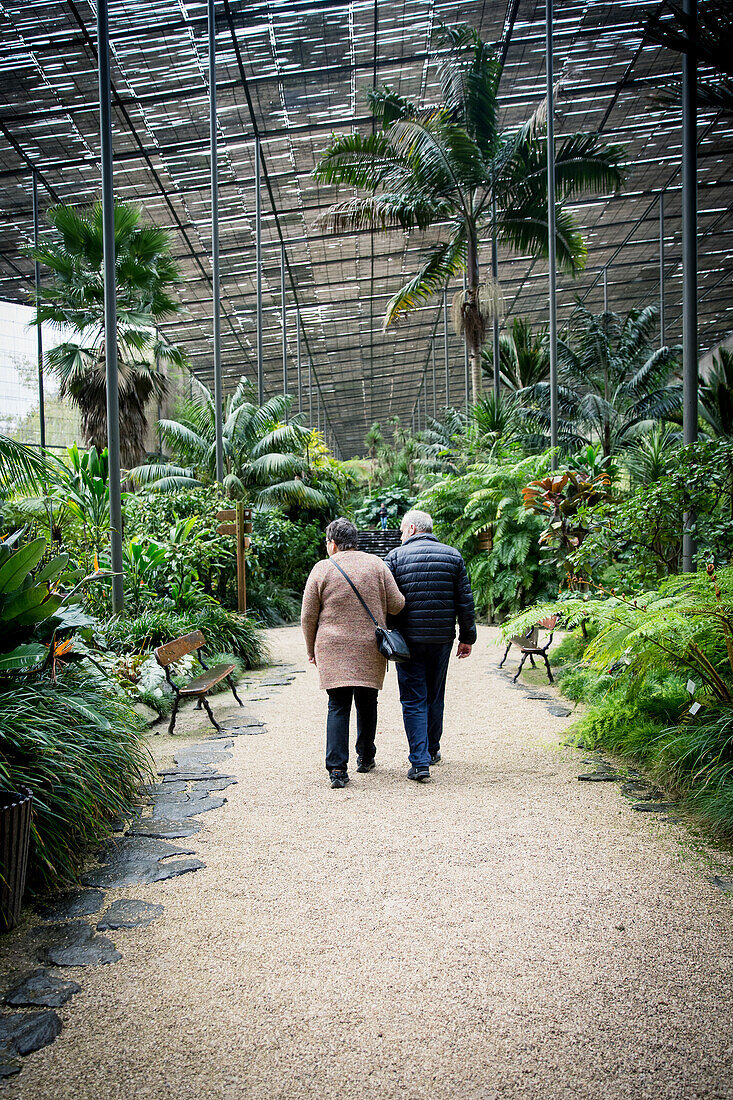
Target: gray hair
[
  {"x": 422, "y": 521},
  {"x": 343, "y": 533}
]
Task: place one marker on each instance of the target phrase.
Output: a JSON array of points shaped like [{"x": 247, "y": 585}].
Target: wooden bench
[
  {"x": 529, "y": 644},
  {"x": 167, "y": 655}
]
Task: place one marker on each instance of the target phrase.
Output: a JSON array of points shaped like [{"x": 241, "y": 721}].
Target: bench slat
[
  {"x": 201, "y": 684},
  {"x": 171, "y": 652}
]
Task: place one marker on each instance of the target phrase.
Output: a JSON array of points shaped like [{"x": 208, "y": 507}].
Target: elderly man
[{"x": 433, "y": 579}]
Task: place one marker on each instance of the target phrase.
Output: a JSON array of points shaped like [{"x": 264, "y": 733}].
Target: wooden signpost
[{"x": 238, "y": 522}]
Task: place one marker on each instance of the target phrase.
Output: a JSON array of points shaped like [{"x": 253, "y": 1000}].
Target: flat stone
[
  {"x": 133, "y": 861},
  {"x": 600, "y": 776},
  {"x": 537, "y": 695},
  {"x": 179, "y": 811},
  {"x": 213, "y": 784},
  {"x": 202, "y": 757},
  {"x": 9, "y": 1067},
  {"x": 559, "y": 712},
  {"x": 149, "y": 714},
  {"x": 171, "y": 775},
  {"x": 42, "y": 987},
  {"x": 129, "y": 913},
  {"x": 70, "y": 906},
  {"x": 77, "y": 944},
  {"x": 165, "y": 830},
  {"x": 653, "y": 807},
  {"x": 724, "y": 884},
  {"x": 23, "y": 1032},
  {"x": 247, "y": 731},
  {"x": 640, "y": 790},
  {"x": 178, "y": 867}
]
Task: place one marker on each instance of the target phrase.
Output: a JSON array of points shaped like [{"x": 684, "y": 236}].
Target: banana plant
[{"x": 33, "y": 604}]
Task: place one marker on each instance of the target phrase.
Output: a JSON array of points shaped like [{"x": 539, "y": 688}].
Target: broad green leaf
[{"x": 14, "y": 571}]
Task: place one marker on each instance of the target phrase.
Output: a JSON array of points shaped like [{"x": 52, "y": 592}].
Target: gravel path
[{"x": 505, "y": 932}]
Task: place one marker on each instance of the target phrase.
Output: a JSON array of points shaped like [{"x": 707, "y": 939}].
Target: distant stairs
[{"x": 378, "y": 542}]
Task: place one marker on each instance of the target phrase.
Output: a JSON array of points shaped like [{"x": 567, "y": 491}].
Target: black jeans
[{"x": 337, "y": 725}]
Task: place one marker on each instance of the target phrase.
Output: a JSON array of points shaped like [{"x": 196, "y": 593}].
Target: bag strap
[{"x": 356, "y": 590}]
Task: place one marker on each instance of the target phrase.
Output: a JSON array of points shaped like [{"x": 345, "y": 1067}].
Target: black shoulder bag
[{"x": 390, "y": 643}]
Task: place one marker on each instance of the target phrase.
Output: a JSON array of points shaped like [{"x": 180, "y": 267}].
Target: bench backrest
[{"x": 171, "y": 652}]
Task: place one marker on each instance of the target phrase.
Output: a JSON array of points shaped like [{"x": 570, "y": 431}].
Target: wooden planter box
[{"x": 15, "y": 835}]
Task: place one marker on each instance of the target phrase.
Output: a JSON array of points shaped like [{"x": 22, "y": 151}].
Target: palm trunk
[{"x": 472, "y": 325}]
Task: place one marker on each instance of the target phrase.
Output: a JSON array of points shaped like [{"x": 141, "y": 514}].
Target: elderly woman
[{"x": 340, "y": 639}]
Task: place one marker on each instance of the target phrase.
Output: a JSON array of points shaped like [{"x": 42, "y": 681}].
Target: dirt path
[{"x": 505, "y": 932}]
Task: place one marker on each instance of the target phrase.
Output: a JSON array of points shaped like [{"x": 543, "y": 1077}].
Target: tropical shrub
[
  {"x": 78, "y": 747},
  {"x": 266, "y": 459},
  {"x": 225, "y": 631},
  {"x": 396, "y": 499},
  {"x": 487, "y": 499},
  {"x": 641, "y": 536}
]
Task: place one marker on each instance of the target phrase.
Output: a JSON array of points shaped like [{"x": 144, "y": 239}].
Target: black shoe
[
  {"x": 339, "y": 779},
  {"x": 365, "y": 765},
  {"x": 435, "y": 757},
  {"x": 420, "y": 773}
]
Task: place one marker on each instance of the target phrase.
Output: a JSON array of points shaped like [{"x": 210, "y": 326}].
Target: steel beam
[
  {"x": 689, "y": 260},
  {"x": 258, "y": 279},
  {"x": 298, "y": 359},
  {"x": 445, "y": 345},
  {"x": 661, "y": 272},
  {"x": 284, "y": 323},
  {"x": 552, "y": 298},
  {"x": 215, "y": 296},
  {"x": 495, "y": 321},
  {"x": 39, "y": 330},
  {"x": 110, "y": 309}
]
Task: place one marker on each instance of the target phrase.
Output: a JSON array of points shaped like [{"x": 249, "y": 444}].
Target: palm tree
[
  {"x": 716, "y": 395},
  {"x": 614, "y": 380},
  {"x": 524, "y": 357},
  {"x": 451, "y": 164},
  {"x": 266, "y": 459},
  {"x": 74, "y": 301},
  {"x": 21, "y": 466}
]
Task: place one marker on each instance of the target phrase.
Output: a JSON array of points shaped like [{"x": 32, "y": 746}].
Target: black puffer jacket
[{"x": 433, "y": 579}]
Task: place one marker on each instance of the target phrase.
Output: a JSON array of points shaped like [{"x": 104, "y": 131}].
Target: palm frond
[{"x": 445, "y": 261}]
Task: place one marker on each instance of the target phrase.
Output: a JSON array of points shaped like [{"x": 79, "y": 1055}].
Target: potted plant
[{"x": 15, "y": 832}]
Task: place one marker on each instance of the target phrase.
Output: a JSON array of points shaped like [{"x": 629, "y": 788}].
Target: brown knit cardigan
[{"x": 337, "y": 629}]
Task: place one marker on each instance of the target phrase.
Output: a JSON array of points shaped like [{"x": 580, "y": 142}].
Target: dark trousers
[
  {"x": 422, "y": 694},
  {"x": 337, "y": 725}
]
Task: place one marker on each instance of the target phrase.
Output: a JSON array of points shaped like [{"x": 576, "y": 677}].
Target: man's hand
[
  {"x": 464, "y": 650},
  {"x": 312, "y": 661}
]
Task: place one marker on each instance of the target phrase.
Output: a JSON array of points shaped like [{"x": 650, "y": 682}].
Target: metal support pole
[
  {"x": 551, "y": 226},
  {"x": 284, "y": 325},
  {"x": 466, "y": 357},
  {"x": 310, "y": 393},
  {"x": 689, "y": 261},
  {"x": 110, "y": 309},
  {"x": 258, "y": 265},
  {"x": 218, "y": 390},
  {"x": 605, "y": 290},
  {"x": 445, "y": 340},
  {"x": 39, "y": 331},
  {"x": 495, "y": 322},
  {"x": 318, "y": 403},
  {"x": 298, "y": 358},
  {"x": 662, "y": 342},
  {"x": 432, "y": 355}
]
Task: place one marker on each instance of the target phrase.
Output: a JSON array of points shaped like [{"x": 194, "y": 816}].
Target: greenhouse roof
[{"x": 295, "y": 71}]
